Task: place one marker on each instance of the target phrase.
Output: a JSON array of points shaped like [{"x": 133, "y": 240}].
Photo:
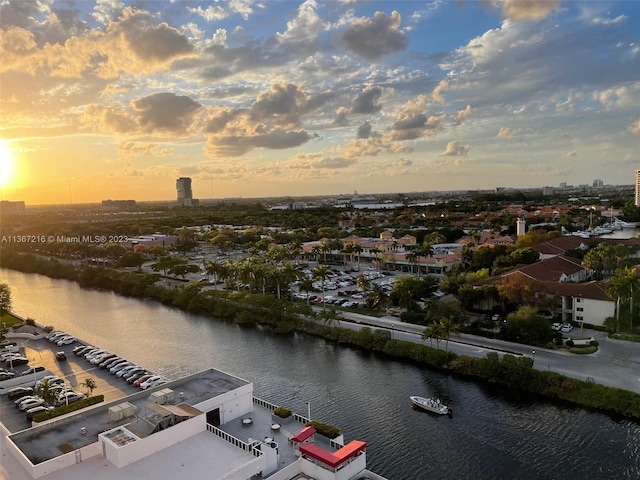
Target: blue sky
[{"x": 116, "y": 99}]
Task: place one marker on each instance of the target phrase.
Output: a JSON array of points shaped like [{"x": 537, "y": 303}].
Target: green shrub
[
  {"x": 72, "y": 407},
  {"x": 326, "y": 429},
  {"x": 48, "y": 329},
  {"x": 594, "y": 343},
  {"x": 30, "y": 321},
  {"x": 583, "y": 350},
  {"x": 282, "y": 412}
]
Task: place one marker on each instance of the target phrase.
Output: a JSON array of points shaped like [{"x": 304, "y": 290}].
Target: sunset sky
[{"x": 112, "y": 99}]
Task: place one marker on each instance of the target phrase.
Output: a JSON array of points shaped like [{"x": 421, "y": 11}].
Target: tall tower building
[
  {"x": 185, "y": 195},
  {"x": 521, "y": 226},
  {"x": 637, "y": 188}
]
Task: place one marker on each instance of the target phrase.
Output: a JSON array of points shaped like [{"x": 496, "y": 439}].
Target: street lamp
[{"x": 534, "y": 357}]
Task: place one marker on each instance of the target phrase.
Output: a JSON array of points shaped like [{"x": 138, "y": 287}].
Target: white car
[
  {"x": 68, "y": 397},
  {"x": 557, "y": 326},
  {"x": 125, "y": 370},
  {"x": 120, "y": 366},
  {"x": 57, "y": 336},
  {"x": 65, "y": 341},
  {"x": 152, "y": 382},
  {"x": 566, "y": 328},
  {"x": 31, "y": 403}
]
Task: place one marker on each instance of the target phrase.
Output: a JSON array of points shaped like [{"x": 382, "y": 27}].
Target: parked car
[
  {"x": 18, "y": 361},
  {"x": 556, "y": 326},
  {"x": 61, "y": 356},
  {"x": 81, "y": 350},
  {"x": 32, "y": 370},
  {"x": 19, "y": 392},
  {"x": 566, "y": 328},
  {"x": 22, "y": 399},
  {"x": 31, "y": 403},
  {"x": 132, "y": 372},
  {"x": 94, "y": 353},
  {"x": 56, "y": 336},
  {"x": 152, "y": 382},
  {"x": 32, "y": 412},
  {"x": 50, "y": 378},
  {"x": 108, "y": 363},
  {"x": 137, "y": 376},
  {"x": 65, "y": 341},
  {"x": 124, "y": 370},
  {"x": 6, "y": 376},
  {"x": 120, "y": 366},
  {"x": 101, "y": 358},
  {"x": 68, "y": 397},
  {"x": 142, "y": 379}
]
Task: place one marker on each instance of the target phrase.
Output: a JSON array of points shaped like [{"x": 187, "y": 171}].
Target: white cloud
[
  {"x": 635, "y": 127},
  {"x": 305, "y": 26},
  {"x": 570, "y": 154},
  {"x": 456, "y": 149}
]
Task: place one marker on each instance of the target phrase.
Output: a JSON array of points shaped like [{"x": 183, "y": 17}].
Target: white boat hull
[{"x": 430, "y": 405}]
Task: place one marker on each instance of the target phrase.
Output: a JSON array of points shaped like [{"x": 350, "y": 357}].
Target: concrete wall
[
  {"x": 55, "y": 464},
  {"x": 232, "y": 404},
  {"x": 143, "y": 447},
  {"x": 594, "y": 311}
]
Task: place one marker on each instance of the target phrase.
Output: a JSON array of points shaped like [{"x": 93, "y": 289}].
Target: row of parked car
[
  {"x": 13, "y": 359},
  {"x": 120, "y": 367},
  {"x": 60, "y": 338},
  {"x": 32, "y": 401}
]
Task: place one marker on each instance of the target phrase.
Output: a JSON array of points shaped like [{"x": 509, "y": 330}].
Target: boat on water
[{"x": 430, "y": 404}]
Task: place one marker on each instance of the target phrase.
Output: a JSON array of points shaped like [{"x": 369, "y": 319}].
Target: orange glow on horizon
[{"x": 7, "y": 165}]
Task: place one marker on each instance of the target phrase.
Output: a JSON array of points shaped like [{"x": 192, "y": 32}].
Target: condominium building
[
  {"x": 185, "y": 194},
  {"x": 637, "y": 188}
]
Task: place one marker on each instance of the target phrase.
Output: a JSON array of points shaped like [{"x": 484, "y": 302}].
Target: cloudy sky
[{"x": 251, "y": 98}]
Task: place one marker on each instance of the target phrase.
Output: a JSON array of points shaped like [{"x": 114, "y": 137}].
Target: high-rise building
[
  {"x": 637, "y": 188},
  {"x": 185, "y": 195}
]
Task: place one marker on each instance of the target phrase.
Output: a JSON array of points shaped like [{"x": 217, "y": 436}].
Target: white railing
[{"x": 234, "y": 440}]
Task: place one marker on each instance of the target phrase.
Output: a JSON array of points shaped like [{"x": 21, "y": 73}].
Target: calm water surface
[{"x": 493, "y": 434}]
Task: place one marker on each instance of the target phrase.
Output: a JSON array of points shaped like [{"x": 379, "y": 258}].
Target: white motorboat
[{"x": 430, "y": 404}]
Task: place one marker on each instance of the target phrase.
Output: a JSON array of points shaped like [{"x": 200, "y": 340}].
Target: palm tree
[
  {"x": 377, "y": 299},
  {"x": 332, "y": 317},
  {"x": 288, "y": 274},
  {"x": 46, "y": 391},
  {"x": 447, "y": 327},
  {"x": 434, "y": 330},
  {"x": 357, "y": 249},
  {"x": 90, "y": 384},
  {"x": 321, "y": 272},
  {"x": 412, "y": 257},
  {"x": 363, "y": 283},
  {"x": 375, "y": 251},
  {"x": 622, "y": 286},
  {"x": 306, "y": 285}
]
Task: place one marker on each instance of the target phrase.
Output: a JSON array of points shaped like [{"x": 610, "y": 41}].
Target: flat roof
[{"x": 54, "y": 438}]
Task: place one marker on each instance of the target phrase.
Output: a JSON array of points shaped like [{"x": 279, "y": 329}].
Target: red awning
[
  {"x": 303, "y": 434},
  {"x": 336, "y": 458}
]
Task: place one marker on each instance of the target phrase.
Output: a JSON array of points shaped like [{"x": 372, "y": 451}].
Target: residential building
[
  {"x": 637, "y": 188},
  {"x": 205, "y": 426}
]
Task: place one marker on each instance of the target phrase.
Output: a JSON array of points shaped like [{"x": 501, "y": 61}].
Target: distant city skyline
[{"x": 267, "y": 99}]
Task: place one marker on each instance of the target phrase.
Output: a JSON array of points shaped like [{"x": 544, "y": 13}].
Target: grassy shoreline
[{"x": 284, "y": 318}]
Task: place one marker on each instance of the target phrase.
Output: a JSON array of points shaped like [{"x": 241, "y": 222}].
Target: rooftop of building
[{"x": 71, "y": 432}]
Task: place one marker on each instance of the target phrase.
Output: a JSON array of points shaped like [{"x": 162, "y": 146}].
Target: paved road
[{"x": 616, "y": 363}]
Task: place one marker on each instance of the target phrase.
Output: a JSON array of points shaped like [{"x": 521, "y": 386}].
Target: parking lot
[{"x": 74, "y": 370}]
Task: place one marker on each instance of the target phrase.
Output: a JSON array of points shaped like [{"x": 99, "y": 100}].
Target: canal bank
[{"x": 494, "y": 434}]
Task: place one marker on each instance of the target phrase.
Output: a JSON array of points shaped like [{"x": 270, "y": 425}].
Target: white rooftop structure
[{"x": 204, "y": 426}]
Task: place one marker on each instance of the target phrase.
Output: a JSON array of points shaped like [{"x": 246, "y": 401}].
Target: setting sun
[{"x": 6, "y": 164}]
